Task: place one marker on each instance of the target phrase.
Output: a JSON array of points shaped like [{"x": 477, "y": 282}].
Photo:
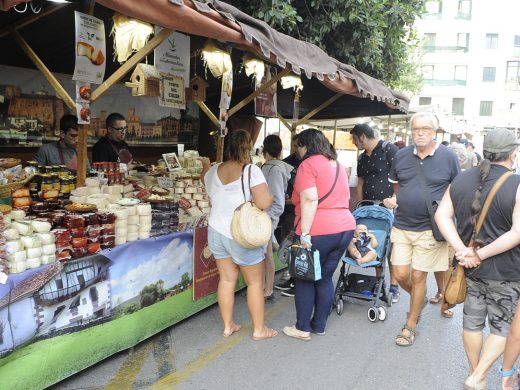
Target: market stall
[{"x": 86, "y": 260}]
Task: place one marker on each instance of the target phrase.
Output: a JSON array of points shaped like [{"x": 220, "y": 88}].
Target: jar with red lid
[
  {"x": 93, "y": 247},
  {"x": 79, "y": 242},
  {"x": 74, "y": 221},
  {"x": 108, "y": 229},
  {"x": 91, "y": 219},
  {"x": 108, "y": 241},
  {"x": 106, "y": 218},
  {"x": 79, "y": 252},
  {"x": 62, "y": 236},
  {"x": 77, "y": 232}
]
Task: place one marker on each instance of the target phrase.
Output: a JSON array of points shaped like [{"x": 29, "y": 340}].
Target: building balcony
[
  {"x": 445, "y": 49},
  {"x": 513, "y": 85},
  {"x": 444, "y": 83}
]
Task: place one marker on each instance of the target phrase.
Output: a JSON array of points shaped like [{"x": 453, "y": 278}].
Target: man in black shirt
[
  {"x": 373, "y": 169},
  {"x": 112, "y": 147}
]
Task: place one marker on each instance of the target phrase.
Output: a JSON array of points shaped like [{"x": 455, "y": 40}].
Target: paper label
[{"x": 165, "y": 182}]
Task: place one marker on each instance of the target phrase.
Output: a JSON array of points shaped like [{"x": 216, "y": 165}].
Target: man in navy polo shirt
[
  {"x": 373, "y": 168},
  {"x": 415, "y": 251}
]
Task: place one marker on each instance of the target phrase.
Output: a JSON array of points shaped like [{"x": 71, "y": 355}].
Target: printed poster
[
  {"x": 173, "y": 55},
  {"x": 265, "y": 103},
  {"x": 205, "y": 272},
  {"x": 90, "y": 49}
]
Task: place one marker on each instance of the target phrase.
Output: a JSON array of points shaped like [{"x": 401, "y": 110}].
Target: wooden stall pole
[
  {"x": 316, "y": 110},
  {"x": 220, "y": 149},
  {"x": 81, "y": 147},
  {"x": 55, "y": 84},
  {"x": 334, "y": 135},
  {"x": 208, "y": 112},
  {"x": 284, "y": 121}
]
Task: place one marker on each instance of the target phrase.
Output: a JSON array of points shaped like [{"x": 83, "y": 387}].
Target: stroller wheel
[
  {"x": 373, "y": 314},
  {"x": 389, "y": 299},
  {"x": 339, "y": 305},
  {"x": 382, "y": 313}
]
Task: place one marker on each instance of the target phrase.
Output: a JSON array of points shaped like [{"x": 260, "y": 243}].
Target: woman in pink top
[{"x": 324, "y": 222}]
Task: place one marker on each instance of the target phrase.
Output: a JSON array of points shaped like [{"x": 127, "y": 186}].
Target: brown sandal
[
  {"x": 407, "y": 340},
  {"x": 436, "y": 299}
]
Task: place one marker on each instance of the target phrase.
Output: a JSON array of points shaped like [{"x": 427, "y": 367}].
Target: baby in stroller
[{"x": 363, "y": 244}]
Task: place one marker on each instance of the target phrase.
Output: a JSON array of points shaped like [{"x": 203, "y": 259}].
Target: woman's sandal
[
  {"x": 269, "y": 333},
  {"x": 446, "y": 311},
  {"x": 436, "y": 299},
  {"x": 407, "y": 340},
  {"x": 234, "y": 328}
]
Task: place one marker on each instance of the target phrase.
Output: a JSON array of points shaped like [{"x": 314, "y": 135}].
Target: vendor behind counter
[
  {"x": 62, "y": 152},
  {"x": 112, "y": 147}
]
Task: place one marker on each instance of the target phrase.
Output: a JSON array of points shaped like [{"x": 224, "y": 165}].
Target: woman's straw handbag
[
  {"x": 250, "y": 226},
  {"x": 456, "y": 286}
]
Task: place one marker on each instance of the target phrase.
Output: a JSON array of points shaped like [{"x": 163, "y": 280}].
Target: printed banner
[
  {"x": 90, "y": 49},
  {"x": 173, "y": 55},
  {"x": 205, "y": 272}
]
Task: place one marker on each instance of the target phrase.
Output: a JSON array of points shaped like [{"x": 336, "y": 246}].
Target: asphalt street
[{"x": 354, "y": 354}]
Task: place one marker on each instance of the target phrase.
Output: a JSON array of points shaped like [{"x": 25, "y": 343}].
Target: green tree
[{"x": 374, "y": 36}]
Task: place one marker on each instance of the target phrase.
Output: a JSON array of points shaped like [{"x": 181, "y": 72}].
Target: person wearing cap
[
  {"x": 492, "y": 270},
  {"x": 112, "y": 147},
  {"x": 471, "y": 159},
  {"x": 63, "y": 151}
]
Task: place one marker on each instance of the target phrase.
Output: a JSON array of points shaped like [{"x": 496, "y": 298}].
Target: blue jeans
[{"x": 314, "y": 299}]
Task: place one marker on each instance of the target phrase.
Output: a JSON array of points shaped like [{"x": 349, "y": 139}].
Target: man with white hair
[{"x": 421, "y": 173}]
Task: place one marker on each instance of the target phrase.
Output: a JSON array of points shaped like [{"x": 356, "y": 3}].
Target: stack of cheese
[
  {"x": 193, "y": 191},
  {"x": 29, "y": 243},
  {"x": 144, "y": 211},
  {"x": 132, "y": 222},
  {"x": 97, "y": 195}
]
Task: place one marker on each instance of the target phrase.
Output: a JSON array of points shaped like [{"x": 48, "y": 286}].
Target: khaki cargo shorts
[{"x": 418, "y": 249}]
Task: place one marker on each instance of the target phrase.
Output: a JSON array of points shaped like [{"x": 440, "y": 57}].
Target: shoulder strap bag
[
  {"x": 432, "y": 206},
  {"x": 456, "y": 286},
  {"x": 250, "y": 226},
  {"x": 285, "y": 246}
]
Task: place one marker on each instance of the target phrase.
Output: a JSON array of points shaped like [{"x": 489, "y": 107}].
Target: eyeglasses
[
  {"x": 120, "y": 129},
  {"x": 423, "y": 129}
]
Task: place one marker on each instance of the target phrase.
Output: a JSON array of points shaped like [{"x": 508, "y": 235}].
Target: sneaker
[
  {"x": 287, "y": 285},
  {"x": 288, "y": 293},
  {"x": 396, "y": 294},
  {"x": 285, "y": 276}
]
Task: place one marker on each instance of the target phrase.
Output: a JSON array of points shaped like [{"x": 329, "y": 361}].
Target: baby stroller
[{"x": 379, "y": 221}]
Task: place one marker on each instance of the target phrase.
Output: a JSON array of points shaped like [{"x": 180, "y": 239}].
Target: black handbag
[
  {"x": 305, "y": 263},
  {"x": 432, "y": 205},
  {"x": 284, "y": 249}
]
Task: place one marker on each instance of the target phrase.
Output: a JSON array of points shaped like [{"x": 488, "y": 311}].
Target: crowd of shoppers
[{"x": 309, "y": 191}]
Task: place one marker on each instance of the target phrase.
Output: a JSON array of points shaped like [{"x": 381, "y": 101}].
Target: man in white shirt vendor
[{"x": 62, "y": 152}]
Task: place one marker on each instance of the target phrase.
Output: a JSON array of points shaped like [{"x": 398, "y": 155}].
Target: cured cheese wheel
[{"x": 144, "y": 209}]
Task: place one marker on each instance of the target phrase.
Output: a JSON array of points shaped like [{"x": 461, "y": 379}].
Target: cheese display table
[{"x": 60, "y": 318}]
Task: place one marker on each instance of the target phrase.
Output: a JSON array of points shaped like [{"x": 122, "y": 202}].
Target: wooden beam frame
[
  {"x": 130, "y": 64},
  {"x": 208, "y": 112},
  {"x": 284, "y": 121},
  {"x": 60, "y": 91},
  {"x": 260, "y": 90},
  {"x": 30, "y": 19},
  {"x": 317, "y": 109}
]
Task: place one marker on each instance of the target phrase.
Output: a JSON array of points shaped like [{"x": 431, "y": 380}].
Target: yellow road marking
[
  {"x": 170, "y": 381},
  {"x": 130, "y": 368}
]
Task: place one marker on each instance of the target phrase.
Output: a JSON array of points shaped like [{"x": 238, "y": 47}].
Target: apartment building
[{"x": 471, "y": 63}]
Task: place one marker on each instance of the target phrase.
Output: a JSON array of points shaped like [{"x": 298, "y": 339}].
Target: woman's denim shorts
[{"x": 223, "y": 247}]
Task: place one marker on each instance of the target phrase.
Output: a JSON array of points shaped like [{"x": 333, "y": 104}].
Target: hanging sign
[
  {"x": 172, "y": 56},
  {"x": 265, "y": 103},
  {"x": 172, "y": 91},
  {"x": 90, "y": 49}
]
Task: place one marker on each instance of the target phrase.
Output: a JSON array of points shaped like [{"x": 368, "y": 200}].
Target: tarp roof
[{"x": 221, "y": 21}]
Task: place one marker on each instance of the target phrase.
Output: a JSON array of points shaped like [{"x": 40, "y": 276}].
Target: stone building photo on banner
[{"x": 30, "y": 112}]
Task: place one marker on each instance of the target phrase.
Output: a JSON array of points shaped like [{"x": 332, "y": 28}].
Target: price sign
[{"x": 165, "y": 182}]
